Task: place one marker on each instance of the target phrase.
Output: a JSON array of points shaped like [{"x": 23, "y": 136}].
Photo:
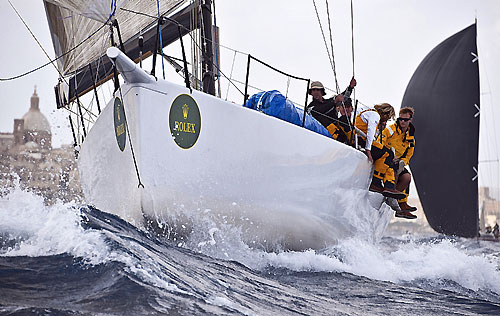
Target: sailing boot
[
  {"x": 393, "y": 193},
  {"x": 376, "y": 185},
  {"x": 376, "y": 188},
  {"x": 393, "y": 203},
  {"x": 405, "y": 207},
  {"x": 405, "y": 214}
]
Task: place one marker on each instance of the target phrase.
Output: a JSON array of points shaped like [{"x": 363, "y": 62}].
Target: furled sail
[{"x": 444, "y": 91}]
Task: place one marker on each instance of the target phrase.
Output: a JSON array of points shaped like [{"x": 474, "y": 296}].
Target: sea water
[{"x": 70, "y": 259}]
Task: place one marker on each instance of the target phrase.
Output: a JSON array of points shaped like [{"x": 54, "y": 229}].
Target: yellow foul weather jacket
[{"x": 402, "y": 142}]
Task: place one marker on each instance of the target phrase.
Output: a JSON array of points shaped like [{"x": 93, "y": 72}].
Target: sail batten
[{"x": 444, "y": 91}]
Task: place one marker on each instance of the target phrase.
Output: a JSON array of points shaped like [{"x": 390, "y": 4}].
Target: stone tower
[{"x": 36, "y": 126}]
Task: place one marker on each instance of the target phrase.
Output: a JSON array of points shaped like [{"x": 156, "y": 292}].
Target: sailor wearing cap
[{"x": 324, "y": 110}]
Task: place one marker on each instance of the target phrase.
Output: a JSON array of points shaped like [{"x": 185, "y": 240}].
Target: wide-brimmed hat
[{"x": 316, "y": 85}]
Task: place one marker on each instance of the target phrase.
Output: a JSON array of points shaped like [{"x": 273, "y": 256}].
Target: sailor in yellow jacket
[
  {"x": 369, "y": 123},
  {"x": 400, "y": 136}
]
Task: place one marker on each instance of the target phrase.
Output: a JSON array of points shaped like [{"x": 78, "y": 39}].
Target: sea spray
[{"x": 41, "y": 230}]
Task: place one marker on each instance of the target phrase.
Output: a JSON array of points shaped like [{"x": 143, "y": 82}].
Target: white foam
[
  {"x": 41, "y": 230},
  {"x": 399, "y": 262},
  {"x": 223, "y": 301},
  {"x": 443, "y": 260}
]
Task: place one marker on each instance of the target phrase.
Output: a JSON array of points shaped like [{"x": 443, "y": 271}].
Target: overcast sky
[{"x": 391, "y": 37}]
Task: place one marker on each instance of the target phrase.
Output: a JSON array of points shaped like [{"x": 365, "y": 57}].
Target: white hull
[{"x": 280, "y": 183}]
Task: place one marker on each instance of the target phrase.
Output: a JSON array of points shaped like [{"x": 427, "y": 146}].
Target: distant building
[
  {"x": 490, "y": 208},
  {"x": 27, "y": 157}
]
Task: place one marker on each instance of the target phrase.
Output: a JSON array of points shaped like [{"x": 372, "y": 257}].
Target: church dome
[{"x": 34, "y": 120}]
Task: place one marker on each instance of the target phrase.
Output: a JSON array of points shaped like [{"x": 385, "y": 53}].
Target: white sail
[{"x": 73, "y": 21}]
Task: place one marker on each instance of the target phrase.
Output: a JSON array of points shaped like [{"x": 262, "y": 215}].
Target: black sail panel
[{"x": 444, "y": 91}]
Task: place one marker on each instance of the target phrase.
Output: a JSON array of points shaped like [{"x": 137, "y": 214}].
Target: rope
[
  {"x": 161, "y": 41},
  {"x": 329, "y": 117},
  {"x": 217, "y": 48},
  {"x": 130, "y": 141},
  {"x": 331, "y": 44},
  {"x": 352, "y": 37},
  {"x": 33, "y": 35},
  {"x": 324, "y": 38},
  {"x": 230, "y": 75},
  {"x": 197, "y": 45},
  {"x": 51, "y": 61}
]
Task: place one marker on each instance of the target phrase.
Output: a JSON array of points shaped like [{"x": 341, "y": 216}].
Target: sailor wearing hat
[{"x": 324, "y": 110}]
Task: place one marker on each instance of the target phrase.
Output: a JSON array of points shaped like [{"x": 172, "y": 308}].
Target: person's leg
[
  {"x": 403, "y": 185},
  {"x": 379, "y": 168},
  {"x": 404, "y": 180}
]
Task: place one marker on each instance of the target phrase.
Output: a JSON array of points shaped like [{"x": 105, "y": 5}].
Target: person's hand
[
  {"x": 369, "y": 155},
  {"x": 401, "y": 166},
  {"x": 352, "y": 84},
  {"x": 339, "y": 99}
]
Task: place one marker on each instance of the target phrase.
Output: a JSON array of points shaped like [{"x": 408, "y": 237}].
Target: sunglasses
[{"x": 404, "y": 119}]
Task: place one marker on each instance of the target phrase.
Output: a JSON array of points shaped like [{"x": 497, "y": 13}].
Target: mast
[{"x": 208, "y": 78}]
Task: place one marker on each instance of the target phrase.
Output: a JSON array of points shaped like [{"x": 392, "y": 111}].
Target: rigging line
[
  {"x": 130, "y": 140},
  {"x": 196, "y": 67},
  {"x": 253, "y": 87},
  {"x": 217, "y": 48},
  {"x": 230, "y": 75},
  {"x": 38, "y": 42},
  {"x": 331, "y": 44},
  {"x": 489, "y": 148},
  {"x": 161, "y": 41},
  {"x": 490, "y": 107},
  {"x": 323, "y": 34},
  {"x": 197, "y": 45},
  {"x": 260, "y": 90},
  {"x": 352, "y": 37},
  {"x": 182, "y": 26},
  {"x": 330, "y": 117},
  {"x": 192, "y": 22},
  {"x": 79, "y": 104},
  {"x": 352, "y": 47},
  {"x": 204, "y": 55},
  {"x": 58, "y": 57},
  {"x": 333, "y": 57},
  {"x": 88, "y": 110},
  {"x": 97, "y": 69},
  {"x": 73, "y": 112},
  {"x": 485, "y": 122}
]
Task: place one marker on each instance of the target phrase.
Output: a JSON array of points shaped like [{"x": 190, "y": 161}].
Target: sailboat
[
  {"x": 444, "y": 90},
  {"x": 167, "y": 153}
]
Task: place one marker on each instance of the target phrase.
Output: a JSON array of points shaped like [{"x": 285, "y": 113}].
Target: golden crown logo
[{"x": 185, "y": 109}]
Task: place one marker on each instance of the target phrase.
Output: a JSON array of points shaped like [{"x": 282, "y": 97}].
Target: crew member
[
  {"x": 369, "y": 122},
  {"x": 344, "y": 124},
  {"x": 401, "y": 137},
  {"x": 325, "y": 110}
]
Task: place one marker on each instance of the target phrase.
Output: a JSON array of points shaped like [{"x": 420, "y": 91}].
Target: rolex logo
[
  {"x": 184, "y": 130},
  {"x": 185, "y": 109}
]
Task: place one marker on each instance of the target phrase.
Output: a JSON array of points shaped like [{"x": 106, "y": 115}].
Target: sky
[{"x": 391, "y": 37}]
